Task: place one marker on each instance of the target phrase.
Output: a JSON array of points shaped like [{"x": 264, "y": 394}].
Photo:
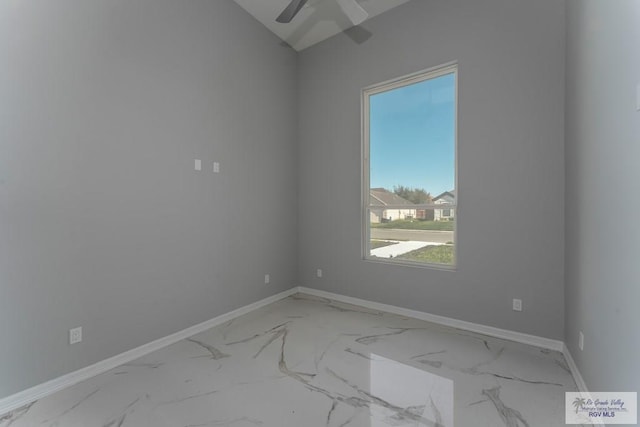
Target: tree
[
  {"x": 414, "y": 195},
  {"x": 579, "y": 403}
]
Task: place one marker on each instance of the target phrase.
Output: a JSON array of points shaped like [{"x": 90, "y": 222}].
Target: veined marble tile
[{"x": 307, "y": 362}]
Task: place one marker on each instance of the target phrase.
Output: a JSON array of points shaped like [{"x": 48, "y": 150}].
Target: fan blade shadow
[{"x": 358, "y": 34}]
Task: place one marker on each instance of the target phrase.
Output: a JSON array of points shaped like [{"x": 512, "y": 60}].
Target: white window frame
[{"x": 366, "y": 93}]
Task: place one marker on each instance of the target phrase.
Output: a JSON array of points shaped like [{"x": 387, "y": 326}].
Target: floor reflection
[{"x": 425, "y": 394}]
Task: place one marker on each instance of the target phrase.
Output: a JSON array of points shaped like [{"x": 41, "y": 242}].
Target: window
[{"x": 409, "y": 169}]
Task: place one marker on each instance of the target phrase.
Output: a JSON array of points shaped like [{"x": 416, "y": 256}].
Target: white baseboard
[
  {"x": 582, "y": 386},
  {"x": 32, "y": 394},
  {"x": 577, "y": 376},
  {"x": 442, "y": 320}
]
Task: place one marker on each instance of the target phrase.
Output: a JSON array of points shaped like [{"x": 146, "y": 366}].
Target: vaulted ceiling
[{"x": 316, "y": 21}]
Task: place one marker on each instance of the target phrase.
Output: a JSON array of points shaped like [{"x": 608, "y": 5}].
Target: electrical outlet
[
  {"x": 267, "y": 279},
  {"x": 319, "y": 273},
  {"x": 581, "y": 341},
  {"x": 517, "y": 304},
  {"x": 197, "y": 164},
  {"x": 216, "y": 167},
  {"x": 75, "y": 335}
]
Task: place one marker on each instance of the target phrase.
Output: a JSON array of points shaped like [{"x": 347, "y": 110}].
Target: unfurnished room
[{"x": 305, "y": 213}]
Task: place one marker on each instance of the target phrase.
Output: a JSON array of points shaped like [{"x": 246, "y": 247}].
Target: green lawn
[
  {"x": 443, "y": 254},
  {"x": 416, "y": 225},
  {"x": 375, "y": 244}
]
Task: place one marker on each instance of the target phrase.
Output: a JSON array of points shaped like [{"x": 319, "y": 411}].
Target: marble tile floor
[{"x": 310, "y": 362}]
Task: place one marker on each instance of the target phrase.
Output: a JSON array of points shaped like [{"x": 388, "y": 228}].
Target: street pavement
[{"x": 413, "y": 235}]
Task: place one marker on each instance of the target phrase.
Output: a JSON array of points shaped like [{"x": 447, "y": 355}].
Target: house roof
[
  {"x": 384, "y": 197},
  {"x": 451, "y": 194}
]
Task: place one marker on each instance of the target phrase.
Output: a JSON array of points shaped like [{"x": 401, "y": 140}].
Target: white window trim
[{"x": 366, "y": 93}]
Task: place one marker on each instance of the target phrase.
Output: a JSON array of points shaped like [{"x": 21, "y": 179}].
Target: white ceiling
[{"x": 317, "y": 21}]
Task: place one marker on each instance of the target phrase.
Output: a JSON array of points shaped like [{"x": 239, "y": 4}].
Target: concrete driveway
[{"x": 400, "y": 248}]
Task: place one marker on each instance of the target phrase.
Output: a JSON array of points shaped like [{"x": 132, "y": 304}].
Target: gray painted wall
[
  {"x": 104, "y": 104},
  {"x": 511, "y": 159},
  {"x": 602, "y": 153},
  {"x": 104, "y": 224}
]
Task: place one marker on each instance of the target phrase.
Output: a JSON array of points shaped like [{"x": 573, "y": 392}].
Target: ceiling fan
[{"x": 351, "y": 8}]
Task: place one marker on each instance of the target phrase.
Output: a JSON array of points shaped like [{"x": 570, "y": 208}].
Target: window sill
[{"x": 422, "y": 265}]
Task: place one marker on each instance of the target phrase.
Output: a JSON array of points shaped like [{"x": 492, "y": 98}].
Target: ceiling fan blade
[
  {"x": 290, "y": 11},
  {"x": 354, "y": 11}
]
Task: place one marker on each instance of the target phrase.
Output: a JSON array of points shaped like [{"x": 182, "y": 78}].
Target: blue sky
[{"x": 412, "y": 136}]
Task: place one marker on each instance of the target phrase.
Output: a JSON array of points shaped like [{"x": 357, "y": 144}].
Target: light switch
[
  {"x": 216, "y": 167},
  {"x": 517, "y": 304},
  {"x": 638, "y": 98},
  {"x": 197, "y": 164}
]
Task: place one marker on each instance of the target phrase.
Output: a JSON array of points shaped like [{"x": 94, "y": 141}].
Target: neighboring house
[
  {"x": 379, "y": 198},
  {"x": 448, "y": 197},
  {"x": 425, "y": 214}
]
